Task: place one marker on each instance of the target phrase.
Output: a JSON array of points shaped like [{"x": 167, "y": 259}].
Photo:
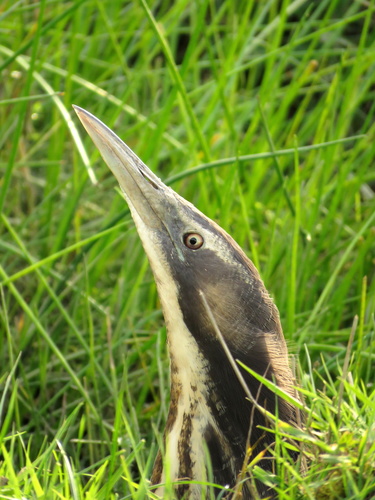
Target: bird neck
[
  {"x": 188, "y": 418},
  {"x": 209, "y": 419},
  {"x": 193, "y": 435}
]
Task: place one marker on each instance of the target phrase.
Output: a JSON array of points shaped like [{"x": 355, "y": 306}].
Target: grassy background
[{"x": 216, "y": 85}]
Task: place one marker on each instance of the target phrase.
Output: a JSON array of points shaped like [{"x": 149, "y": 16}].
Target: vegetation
[{"x": 259, "y": 112}]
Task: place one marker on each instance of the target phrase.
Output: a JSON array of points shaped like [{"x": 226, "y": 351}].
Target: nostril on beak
[{"x": 147, "y": 178}]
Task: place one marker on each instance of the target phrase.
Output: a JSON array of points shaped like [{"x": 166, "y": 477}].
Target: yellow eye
[{"x": 193, "y": 240}]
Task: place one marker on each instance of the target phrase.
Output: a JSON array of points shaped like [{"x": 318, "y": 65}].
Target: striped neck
[{"x": 213, "y": 420}]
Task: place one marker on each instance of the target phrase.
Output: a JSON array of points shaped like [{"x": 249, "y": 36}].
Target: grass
[{"x": 262, "y": 115}]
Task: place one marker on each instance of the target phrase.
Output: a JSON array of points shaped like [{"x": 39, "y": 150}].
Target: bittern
[{"x": 216, "y": 310}]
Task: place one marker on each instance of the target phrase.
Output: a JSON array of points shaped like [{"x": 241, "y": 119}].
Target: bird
[{"x": 217, "y": 312}]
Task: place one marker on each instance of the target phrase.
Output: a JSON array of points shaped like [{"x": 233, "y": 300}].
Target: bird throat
[
  {"x": 191, "y": 425},
  {"x": 190, "y": 421}
]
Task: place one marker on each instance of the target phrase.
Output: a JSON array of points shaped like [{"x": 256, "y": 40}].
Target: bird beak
[{"x": 143, "y": 190}]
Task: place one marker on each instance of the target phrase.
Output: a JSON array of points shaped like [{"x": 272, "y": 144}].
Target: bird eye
[{"x": 193, "y": 240}]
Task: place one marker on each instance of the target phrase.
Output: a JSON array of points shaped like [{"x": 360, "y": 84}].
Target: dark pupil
[{"x": 193, "y": 241}]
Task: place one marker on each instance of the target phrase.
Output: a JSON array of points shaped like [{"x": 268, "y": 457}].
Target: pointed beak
[{"x": 143, "y": 190}]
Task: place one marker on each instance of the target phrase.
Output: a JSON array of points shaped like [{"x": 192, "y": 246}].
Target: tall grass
[{"x": 262, "y": 115}]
